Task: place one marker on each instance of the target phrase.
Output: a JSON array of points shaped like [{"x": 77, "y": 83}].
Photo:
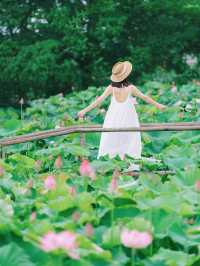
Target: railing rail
[{"x": 144, "y": 127}]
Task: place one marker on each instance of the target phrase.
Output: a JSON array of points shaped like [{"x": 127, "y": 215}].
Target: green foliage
[
  {"x": 12, "y": 254},
  {"x": 169, "y": 257},
  {"x": 167, "y": 207},
  {"x": 48, "y": 47}
]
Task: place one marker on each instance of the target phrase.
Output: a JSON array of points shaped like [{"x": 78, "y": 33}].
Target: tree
[{"x": 52, "y": 46}]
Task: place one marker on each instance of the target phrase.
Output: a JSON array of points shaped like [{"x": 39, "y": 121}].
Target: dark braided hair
[{"x": 120, "y": 84}]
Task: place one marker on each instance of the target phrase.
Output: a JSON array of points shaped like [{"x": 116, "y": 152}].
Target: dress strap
[
  {"x": 113, "y": 92},
  {"x": 129, "y": 93}
]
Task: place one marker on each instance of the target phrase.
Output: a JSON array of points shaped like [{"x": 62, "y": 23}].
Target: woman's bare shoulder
[
  {"x": 110, "y": 87},
  {"x": 132, "y": 87},
  {"x": 134, "y": 90}
]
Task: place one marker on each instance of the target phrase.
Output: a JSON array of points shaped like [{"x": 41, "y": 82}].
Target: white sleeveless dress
[{"x": 121, "y": 114}]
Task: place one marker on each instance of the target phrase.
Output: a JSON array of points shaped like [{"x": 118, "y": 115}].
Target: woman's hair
[{"x": 120, "y": 84}]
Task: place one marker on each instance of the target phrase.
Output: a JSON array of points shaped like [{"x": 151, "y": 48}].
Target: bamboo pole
[{"x": 186, "y": 126}]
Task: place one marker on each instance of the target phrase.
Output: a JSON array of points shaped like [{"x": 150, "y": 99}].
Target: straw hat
[{"x": 120, "y": 71}]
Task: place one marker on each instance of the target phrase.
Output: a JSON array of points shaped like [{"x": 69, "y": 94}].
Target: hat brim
[{"x": 119, "y": 78}]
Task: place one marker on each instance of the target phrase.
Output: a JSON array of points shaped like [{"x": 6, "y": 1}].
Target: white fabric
[
  {"x": 121, "y": 114},
  {"x": 133, "y": 167}
]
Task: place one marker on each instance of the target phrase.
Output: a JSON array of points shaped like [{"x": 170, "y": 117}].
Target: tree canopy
[{"x": 50, "y": 46}]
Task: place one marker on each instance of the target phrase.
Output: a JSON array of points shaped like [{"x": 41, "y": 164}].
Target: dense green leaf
[{"x": 12, "y": 254}]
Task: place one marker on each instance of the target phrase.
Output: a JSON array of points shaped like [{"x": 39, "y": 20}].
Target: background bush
[{"x": 50, "y": 46}]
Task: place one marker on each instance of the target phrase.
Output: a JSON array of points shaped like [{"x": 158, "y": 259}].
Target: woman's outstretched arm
[
  {"x": 136, "y": 92},
  {"x": 98, "y": 101}
]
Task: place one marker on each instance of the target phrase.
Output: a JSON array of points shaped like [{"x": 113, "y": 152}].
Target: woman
[{"x": 121, "y": 113}]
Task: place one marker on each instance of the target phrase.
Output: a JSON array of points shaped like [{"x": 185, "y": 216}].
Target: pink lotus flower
[
  {"x": 114, "y": 182},
  {"x": 113, "y": 185},
  {"x": 49, "y": 242},
  {"x": 58, "y": 162},
  {"x": 1, "y": 171},
  {"x": 30, "y": 183},
  {"x": 72, "y": 191},
  {"x": 174, "y": 89},
  {"x": 135, "y": 239},
  {"x": 87, "y": 170},
  {"x": 89, "y": 231},
  {"x": 197, "y": 185},
  {"x": 65, "y": 240},
  {"x": 98, "y": 249},
  {"x": 50, "y": 183},
  {"x": 92, "y": 175},
  {"x": 33, "y": 216},
  {"x": 82, "y": 140},
  {"x": 85, "y": 167},
  {"x": 76, "y": 216},
  {"x": 38, "y": 165}
]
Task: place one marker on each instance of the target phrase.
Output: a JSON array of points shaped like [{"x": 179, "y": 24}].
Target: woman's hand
[
  {"x": 81, "y": 114},
  {"x": 161, "y": 107}
]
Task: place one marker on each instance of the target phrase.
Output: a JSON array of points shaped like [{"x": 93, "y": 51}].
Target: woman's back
[{"x": 121, "y": 94}]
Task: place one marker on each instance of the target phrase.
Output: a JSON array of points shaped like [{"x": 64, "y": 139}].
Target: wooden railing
[{"x": 184, "y": 126}]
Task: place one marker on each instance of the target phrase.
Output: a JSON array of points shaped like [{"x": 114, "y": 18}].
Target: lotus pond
[{"x": 59, "y": 210}]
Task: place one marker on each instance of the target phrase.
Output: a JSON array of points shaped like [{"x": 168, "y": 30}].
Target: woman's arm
[
  {"x": 136, "y": 92},
  {"x": 98, "y": 101}
]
